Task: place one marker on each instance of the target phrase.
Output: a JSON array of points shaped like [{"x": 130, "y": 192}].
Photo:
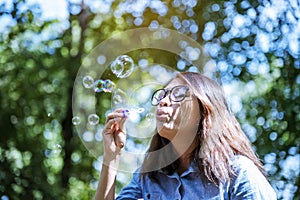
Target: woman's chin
[
  {"x": 166, "y": 129},
  {"x": 163, "y": 124}
]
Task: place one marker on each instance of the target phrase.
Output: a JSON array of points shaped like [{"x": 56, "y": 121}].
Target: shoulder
[
  {"x": 242, "y": 163},
  {"x": 249, "y": 181},
  {"x": 246, "y": 171}
]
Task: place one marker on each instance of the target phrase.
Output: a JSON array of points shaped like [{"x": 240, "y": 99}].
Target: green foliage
[{"x": 41, "y": 155}]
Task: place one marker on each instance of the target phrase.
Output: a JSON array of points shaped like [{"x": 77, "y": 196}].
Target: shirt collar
[{"x": 193, "y": 168}]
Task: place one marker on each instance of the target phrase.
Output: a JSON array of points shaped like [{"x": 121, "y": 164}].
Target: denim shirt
[{"x": 191, "y": 185}]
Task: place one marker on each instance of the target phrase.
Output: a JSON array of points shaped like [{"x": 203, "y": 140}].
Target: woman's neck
[
  {"x": 185, "y": 158},
  {"x": 184, "y": 163}
]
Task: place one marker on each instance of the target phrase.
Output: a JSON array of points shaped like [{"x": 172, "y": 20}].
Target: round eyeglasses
[{"x": 177, "y": 94}]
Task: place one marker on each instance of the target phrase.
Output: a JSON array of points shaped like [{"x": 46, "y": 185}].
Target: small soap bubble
[
  {"x": 132, "y": 110},
  {"x": 149, "y": 117},
  {"x": 116, "y": 68},
  {"x": 133, "y": 115},
  {"x": 123, "y": 66},
  {"x": 98, "y": 86},
  {"x": 75, "y": 120},
  {"x": 93, "y": 119},
  {"x": 140, "y": 110},
  {"x": 87, "y": 81},
  {"x": 137, "y": 110},
  {"x": 108, "y": 85},
  {"x": 119, "y": 97},
  {"x": 13, "y": 119}
]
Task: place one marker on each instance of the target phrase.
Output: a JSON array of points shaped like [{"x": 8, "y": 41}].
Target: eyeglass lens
[{"x": 177, "y": 93}]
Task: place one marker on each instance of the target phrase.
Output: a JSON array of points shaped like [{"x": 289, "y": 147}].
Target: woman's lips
[{"x": 162, "y": 115}]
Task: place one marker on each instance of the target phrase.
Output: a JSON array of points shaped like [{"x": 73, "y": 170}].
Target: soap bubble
[
  {"x": 75, "y": 120},
  {"x": 98, "y": 86},
  {"x": 123, "y": 66},
  {"x": 108, "y": 85},
  {"x": 119, "y": 97},
  {"x": 134, "y": 113},
  {"x": 133, "y": 89},
  {"x": 116, "y": 68},
  {"x": 140, "y": 110},
  {"x": 93, "y": 119},
  {"x": 87, "y": 81},
  {"x": 103, "y": 86},
  {"x": 149, "y": 116}
]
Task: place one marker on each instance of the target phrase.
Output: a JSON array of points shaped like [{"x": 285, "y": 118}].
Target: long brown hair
[{"x": 219, "y": 137}]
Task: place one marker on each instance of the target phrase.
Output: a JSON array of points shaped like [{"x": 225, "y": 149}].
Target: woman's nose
[{"x": 166, "y": 101}]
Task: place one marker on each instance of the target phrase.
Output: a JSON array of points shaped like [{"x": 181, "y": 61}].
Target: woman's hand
[
  {"x": 114, "y": 138},
  {"x": 114, "y": 133}
]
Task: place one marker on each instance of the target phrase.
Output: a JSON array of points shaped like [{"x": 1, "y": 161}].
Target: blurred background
[{"x": 254, "y": 50}]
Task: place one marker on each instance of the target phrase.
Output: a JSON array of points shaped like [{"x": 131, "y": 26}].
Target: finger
[
  {"x": 114, "y": 129},
  {"x": 110, "y": 126},
  {"x": 114, "y": 125},
  {"x": 123, "y": 113},
  {"x": 118, "y": 124},
  {"x": 120, "y": 110},
  {"x": 120, "y": 139},
  {"x": 113, "y": 116},
  {"x": 115, "y": 122}
]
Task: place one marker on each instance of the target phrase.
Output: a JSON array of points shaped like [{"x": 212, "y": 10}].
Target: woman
[{"x": 203, "y": 152}]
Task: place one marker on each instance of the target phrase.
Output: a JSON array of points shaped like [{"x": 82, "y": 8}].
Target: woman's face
[{"x": 177, "y": 117}]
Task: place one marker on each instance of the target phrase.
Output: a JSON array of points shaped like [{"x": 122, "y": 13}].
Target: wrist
[{"x": 111, "y": 161}]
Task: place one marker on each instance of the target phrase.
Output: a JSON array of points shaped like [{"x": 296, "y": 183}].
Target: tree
[{"x": 254, "y": 55}]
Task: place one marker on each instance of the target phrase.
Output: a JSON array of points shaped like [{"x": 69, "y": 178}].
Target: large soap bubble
[{"x": 136, "y": 80}]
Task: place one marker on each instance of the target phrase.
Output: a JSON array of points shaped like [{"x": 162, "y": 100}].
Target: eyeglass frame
[{"x": 166, "y": 91}]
